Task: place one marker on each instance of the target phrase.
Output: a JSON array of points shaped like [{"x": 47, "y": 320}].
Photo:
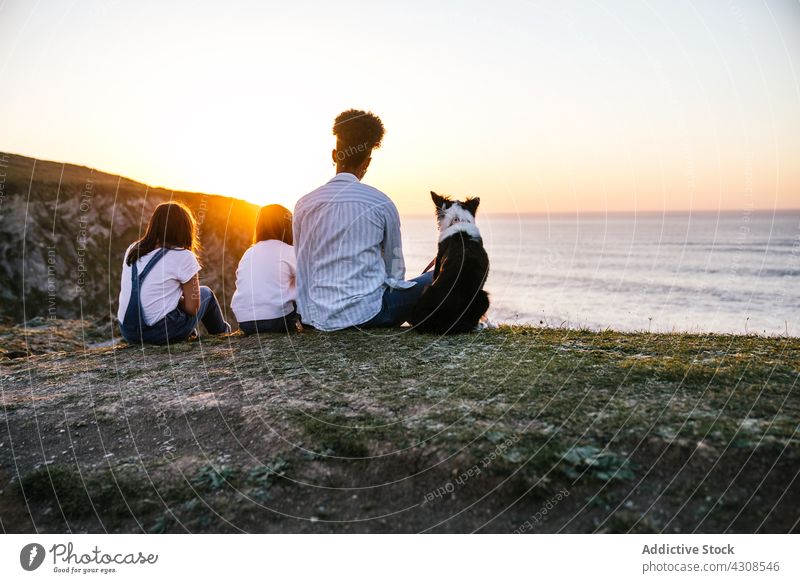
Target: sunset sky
[{"x": 534, "y": 106}]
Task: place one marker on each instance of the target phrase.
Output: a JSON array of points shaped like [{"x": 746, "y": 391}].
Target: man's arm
[{"x": 296, "y": 227}]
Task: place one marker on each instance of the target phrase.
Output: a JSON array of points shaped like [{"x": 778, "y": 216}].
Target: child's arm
[
  {"x": 291, "y": 263},
  {"x": 190, "y": 302}
]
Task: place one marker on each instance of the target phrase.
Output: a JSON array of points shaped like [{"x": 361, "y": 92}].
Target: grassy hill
[
  {"x": 65, "y": 228},
  {"x": 515, "y": 429}
]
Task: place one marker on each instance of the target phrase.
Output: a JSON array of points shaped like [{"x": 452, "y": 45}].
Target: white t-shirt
[
  {"x": 265, "y": 282},
  {"x": 161, "y": 290}
]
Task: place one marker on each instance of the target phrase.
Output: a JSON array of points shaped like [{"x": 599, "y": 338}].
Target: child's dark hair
[
  {"x": 357, "y": 134},
  {"x": 171, "y": 226},
  {"x": 274, "y": 222}
]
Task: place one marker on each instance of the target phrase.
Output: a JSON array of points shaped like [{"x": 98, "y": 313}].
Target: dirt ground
[{"x": 508, "y": 430}]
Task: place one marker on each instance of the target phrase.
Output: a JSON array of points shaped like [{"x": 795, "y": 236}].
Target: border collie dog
[{"x": 456, "y": 301}]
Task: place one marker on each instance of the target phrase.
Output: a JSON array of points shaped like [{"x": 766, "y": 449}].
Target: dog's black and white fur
[{"x": 456, "y": 301}]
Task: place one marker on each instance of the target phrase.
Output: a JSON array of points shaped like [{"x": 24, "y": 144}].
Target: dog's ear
[
  {"x": 439, "y": 201},
  {"x": 471, "y": 204}
]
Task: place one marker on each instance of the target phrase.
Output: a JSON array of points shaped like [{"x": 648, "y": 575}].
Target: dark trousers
[
  {"x": 178, "y": 325},
  {"x": 398, "y": 304},
  {"x": 284, "y": 324}
]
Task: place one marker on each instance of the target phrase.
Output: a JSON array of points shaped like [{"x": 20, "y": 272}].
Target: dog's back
[{"x": 456, "y": 300}]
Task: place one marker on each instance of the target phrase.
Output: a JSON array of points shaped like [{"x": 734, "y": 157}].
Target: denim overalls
[{"x": 133, "y": 328}]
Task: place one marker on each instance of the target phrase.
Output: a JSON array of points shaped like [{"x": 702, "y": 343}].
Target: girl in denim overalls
[{"x": 161, "y": 300}]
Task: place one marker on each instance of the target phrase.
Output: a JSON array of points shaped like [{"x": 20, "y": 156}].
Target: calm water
[{"x": 699, "y": 272}]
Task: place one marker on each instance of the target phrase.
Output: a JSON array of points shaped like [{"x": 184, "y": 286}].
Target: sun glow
[
  {"x": 239, "y": 151},
  {"x": 532, "y": 110}
]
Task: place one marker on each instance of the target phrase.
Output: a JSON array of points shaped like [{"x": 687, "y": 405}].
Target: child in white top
[
  {"x": 265, "y": 295},
  {"x": 161, "y": 300}
]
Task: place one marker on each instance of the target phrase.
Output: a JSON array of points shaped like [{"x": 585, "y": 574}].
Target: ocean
[{"x": 732, "y": 272}]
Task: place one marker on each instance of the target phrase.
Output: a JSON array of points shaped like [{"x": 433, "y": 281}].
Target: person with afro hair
[
  {"x": 350, "y": 266},
  {"x": 357, "y": 134}
]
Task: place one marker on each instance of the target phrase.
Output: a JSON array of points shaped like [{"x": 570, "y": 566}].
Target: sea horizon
[{"x": 678, "y": 272}]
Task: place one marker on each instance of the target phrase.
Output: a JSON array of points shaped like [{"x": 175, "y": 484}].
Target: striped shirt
[{"x": 348, "y": 245}]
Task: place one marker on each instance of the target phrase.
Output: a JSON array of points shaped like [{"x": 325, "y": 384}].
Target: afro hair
[{"x": 357, "y": 134}]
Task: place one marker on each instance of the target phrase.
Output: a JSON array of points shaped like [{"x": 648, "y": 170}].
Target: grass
[{"x": 350, "y": 431}]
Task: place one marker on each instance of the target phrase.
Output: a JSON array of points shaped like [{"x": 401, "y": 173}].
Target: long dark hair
[
  {"x": 172, "y": 226},
  {"x": 274, "y": 222}
]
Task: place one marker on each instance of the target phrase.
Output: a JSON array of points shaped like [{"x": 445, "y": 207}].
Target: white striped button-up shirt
[{"x": 348, "y": 246}]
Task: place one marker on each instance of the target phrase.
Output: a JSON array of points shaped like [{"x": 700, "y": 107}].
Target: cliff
[{"x": 64, "y": 230}]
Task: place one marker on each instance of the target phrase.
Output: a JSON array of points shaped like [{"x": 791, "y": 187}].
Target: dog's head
[{"x": 450, "y": 212}]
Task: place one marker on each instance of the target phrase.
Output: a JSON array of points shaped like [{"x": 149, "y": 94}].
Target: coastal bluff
[{"x": 64, "y": 229}]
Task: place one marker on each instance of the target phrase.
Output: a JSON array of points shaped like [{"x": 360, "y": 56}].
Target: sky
[{"x": 534, "y": 106}]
